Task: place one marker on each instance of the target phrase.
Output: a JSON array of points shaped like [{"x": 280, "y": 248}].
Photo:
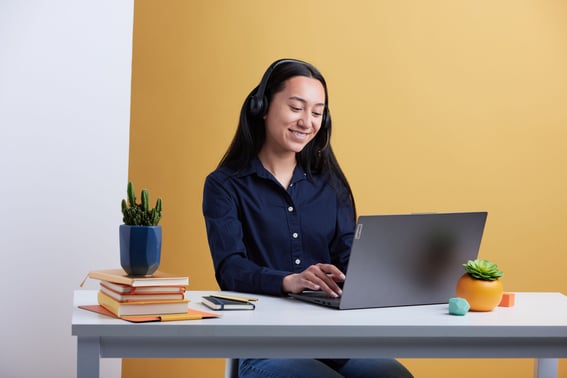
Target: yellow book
[
  {"x": 120, "y": 309},
  {"x": 158, "y": 278}
]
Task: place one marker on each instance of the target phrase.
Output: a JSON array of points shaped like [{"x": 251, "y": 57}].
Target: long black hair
[{"x": 317, "y": 157}]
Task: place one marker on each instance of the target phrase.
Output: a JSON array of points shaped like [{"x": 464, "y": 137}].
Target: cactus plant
[
  {"x": 483, "y": 270},
  {"x": 140, "y": 214}
]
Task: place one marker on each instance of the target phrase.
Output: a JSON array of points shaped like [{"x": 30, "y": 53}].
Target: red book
[
  {"x": 141, "y": 297},
  {"x": 127, "y": 289}
]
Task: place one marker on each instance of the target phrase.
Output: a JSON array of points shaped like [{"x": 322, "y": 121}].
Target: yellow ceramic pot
[{"x": 481, "y": 295}]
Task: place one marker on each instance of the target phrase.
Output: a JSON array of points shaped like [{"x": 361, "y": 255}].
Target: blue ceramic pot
[{"x": 140, "y": 249}]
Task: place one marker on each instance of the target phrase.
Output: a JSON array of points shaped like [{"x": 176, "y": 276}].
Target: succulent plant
[
  {"x": 140, "y": 214},
  {"x": 483, "y": 270}
]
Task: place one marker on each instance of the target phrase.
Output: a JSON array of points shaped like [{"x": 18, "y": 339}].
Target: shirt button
[
  {"x": 290, "y": 209},
  {"x": 297, "y": 261},
  {"x": 295, "y": 235}
]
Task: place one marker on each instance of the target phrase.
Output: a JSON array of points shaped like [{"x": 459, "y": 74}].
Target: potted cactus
[
  {"x": 480, "y": 285},
  {"x": 140, "y": 235}
]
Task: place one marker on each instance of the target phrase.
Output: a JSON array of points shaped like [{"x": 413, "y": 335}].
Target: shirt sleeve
[
  {"x": 233, "y": 270},
  {"x": 342, "y": 242}
]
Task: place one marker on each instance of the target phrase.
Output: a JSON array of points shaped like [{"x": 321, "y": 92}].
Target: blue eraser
[{"x": 458, "y": 306}]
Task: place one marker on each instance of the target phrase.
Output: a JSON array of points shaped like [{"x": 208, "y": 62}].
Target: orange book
[
  {"x": 121, "y": 309},
  {"x": 189, "y": 315}
]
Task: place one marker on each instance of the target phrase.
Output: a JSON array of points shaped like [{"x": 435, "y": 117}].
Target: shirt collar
[{"x": 256, "y": 167}]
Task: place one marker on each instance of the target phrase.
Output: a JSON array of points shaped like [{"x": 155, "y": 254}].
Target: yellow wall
[{"x": 437, "y": 106}]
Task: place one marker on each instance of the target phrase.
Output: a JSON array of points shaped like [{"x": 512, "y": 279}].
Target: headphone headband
[{"x": 258, "y": 101}]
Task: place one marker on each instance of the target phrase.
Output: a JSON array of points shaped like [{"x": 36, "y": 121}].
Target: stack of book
[{"x": 123, "y": 295}]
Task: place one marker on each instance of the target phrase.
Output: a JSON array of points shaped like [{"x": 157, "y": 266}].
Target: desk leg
[
  {"x": 546, "y": 367},
  {"x": 88, "y": 357}
]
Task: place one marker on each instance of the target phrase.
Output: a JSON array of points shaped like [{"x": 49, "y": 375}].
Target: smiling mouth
[{"x": 299, "y": 134}]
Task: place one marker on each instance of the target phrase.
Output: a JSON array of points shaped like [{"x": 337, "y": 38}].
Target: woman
[{"x": 279, "y": 211}]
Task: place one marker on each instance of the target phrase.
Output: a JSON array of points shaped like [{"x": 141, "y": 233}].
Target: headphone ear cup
[{"x": 257, "y": 105}]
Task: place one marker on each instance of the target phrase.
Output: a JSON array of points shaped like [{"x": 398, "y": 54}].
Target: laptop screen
[{"x": 411, "y": 259}]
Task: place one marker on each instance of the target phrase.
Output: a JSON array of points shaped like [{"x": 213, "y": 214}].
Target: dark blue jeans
[{"x": 309, "y": 368}]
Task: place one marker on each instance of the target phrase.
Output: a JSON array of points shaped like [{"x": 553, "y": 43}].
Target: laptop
[{"x": 406, "y": 260}]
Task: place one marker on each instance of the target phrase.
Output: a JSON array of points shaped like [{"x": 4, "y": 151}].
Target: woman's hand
[{"x": 316, "y": 277}]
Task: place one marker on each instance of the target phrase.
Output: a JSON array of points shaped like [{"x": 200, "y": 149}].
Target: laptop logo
[{"x": 358, "y": 232}]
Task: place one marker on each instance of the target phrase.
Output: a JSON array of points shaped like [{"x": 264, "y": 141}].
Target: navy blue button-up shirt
[{"x": 259, "y": 232}]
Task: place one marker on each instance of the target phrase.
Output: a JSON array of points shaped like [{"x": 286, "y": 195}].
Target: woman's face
[{"x": 294, "y": 115}]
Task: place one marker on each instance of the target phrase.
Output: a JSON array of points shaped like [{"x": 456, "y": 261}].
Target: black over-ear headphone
[{"x": 258, "y": 105}]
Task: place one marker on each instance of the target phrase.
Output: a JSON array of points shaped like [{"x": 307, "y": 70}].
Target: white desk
[{"x": 536, "y": 327}]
